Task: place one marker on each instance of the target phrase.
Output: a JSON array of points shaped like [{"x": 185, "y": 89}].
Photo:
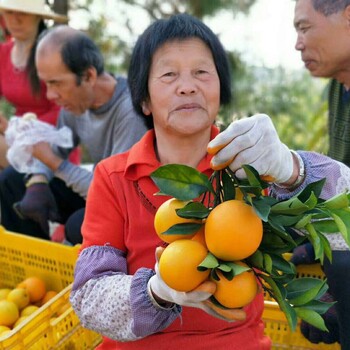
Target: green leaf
[
  {"x": 278, "y": 290},
  {"x": 337, "y": 202},
  {"x": 287, "y": 221},
  {"x": 326, "y": 226},
  {"x": 326, "y": 247},
  {"x": 303, "y": 221},
  {"x": 292, "y": 206},
  {"x": 210, "y": 262},
  {"x": 228, "y": 186},
  {"x": 311, "y": 202},
  {"x": 314, "y": 238},
  {"x": 256, "y": 259},
  {"x": 318, "y": 306},
  {"x": 267, "y": 263},
  {"x": 303, "y": 290},
  {"x": 182, "y": 229},
  {"x": 311, "y": 317},
  {"x": 193, "y": 210},
  {"x": 181, "y": 181},
  {"x": 280, "y": 230},
  {"x": 342, "y": 220},
  {"x": 262, "y": 208},
  {"x": 281, "y": 264},
  {"x": 290, "y": 314},
  {"x": 314, "y": 187},
  {"x": 253, "y": 177}
]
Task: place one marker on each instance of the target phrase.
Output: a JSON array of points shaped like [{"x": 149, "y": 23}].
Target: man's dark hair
[
  {"x": 329, "y": 7},
  {"x": 78, "y": 51},
  {"x": 177, "y": 27}
]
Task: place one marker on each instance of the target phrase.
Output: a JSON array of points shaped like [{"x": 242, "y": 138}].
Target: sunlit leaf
[
  {"x": 318, "y": 306},
  {"x": 261, "y": 208},
  {"x": 210, "y": 262},
  {"x": 316, "y": 242},
  {"x": 315, "y": 188},
  {"x": 292, "y": 206},
  {"x": 183, "y": 229},
  {"x": 311, "y": 317},
  {"x": 342, "y": 220},
  {"x": 337, "y": 202},
  {"x": 267, "y": 263},
  {"x": 303, "y": 290},
  {"x": 181, "y": 181},
  {"x": 228, "y": 186},
  {"x": 193, "y": 210}
]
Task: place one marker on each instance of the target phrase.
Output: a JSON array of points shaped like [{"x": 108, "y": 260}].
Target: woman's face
[
  {"x": 22, "y": 26},
  {"x": 184, "y": 88}
]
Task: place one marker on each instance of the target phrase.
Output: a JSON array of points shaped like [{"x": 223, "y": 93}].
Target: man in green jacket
[{"x": 323, "y": 39}]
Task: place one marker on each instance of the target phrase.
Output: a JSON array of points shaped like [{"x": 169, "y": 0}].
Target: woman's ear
[{"x": 145, "y": 108}]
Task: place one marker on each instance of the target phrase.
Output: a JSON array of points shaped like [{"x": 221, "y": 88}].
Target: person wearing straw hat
[{"x": 19, "y": 82}]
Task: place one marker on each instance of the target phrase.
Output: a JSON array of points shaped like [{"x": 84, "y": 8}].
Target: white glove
[
  {"x": 252, "y": 141},
  {"x": 197, "y": 298}
]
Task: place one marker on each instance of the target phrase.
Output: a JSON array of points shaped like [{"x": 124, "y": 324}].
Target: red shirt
[
  {"x": 120, "y": 212},
  {"x": 15, "y": 87}
]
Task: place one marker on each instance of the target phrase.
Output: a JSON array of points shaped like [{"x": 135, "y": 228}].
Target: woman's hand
[
  {"x": 198, "y": 298},
  {"x": 253, "y": 141}
]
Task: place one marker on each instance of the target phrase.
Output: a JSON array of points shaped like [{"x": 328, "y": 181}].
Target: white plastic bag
[{"x": 22, "y": 133}]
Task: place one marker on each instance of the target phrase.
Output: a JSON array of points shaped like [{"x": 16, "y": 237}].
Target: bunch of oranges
[
  {"x": 231, "y": 233},
  {"x": 16, "y": 304}
]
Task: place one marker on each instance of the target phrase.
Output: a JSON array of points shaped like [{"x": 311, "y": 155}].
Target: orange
[
  {"x": 233, "y": 231},
  {"x": 200, "y": 237},
  {"x": 238, "y": 292},
  {"x": 4, "y": 292},
  {"x": 19, "y": 296},
  {"x": 166, "y": 217},
  {"x": 48, "y": 295},
  {"x": 28, "y": 310},
  {"x": 19, "y": 321},
  {"x": 63, "y": 309},
  {"x": 178, "y": 265},
  {"x": 8, "y": 313},
  {"x": 4, "y": 329},
  {"x": 35, "y": 286}
]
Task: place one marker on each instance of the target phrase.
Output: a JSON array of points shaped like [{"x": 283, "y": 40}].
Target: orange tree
[{"x": 304, "y": 212}]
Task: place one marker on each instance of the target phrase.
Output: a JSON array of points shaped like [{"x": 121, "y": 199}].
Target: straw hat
[{"x": 35, "y": 7}]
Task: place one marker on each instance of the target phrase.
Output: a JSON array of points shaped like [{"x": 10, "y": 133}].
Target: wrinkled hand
[
  {"x": 38, "y": 204},
  {"x": 198, "y": 298},
  {"x": 252, "y": 141},
  {"x": 315, "y": 335}
]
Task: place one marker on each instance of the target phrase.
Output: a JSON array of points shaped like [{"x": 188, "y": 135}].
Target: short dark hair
[
  {"x": 176, "y": 27},
  {"x": 78, "y": 50},
  {"x": 329, "y": 7}
]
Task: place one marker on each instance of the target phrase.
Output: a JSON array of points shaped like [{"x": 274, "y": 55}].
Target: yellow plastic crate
[
  {"x": 23, "y": 256},
  {"x": 276, "y": 327}
]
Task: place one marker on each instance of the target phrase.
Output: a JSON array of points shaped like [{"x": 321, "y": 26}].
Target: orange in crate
[{"x": 23, "y": 256}]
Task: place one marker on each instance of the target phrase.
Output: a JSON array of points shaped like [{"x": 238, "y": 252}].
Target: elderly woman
[{"x": 179, "y": 77}]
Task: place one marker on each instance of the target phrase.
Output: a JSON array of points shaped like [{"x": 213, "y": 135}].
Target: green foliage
[
  {"x": 295, "y": 102},
  {"x": 297, "y": 297}
]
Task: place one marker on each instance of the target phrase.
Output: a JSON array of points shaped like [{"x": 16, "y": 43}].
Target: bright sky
[{"x": 265, "y": 38}]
